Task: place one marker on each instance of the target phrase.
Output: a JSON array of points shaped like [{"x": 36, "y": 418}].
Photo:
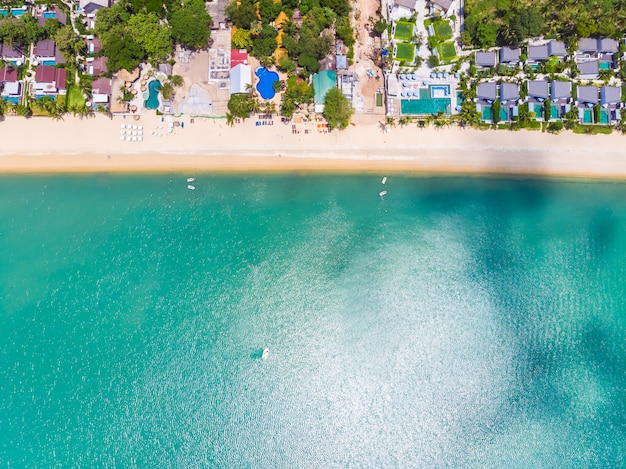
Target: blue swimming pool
[
  {"x": 51, "y": 63},
  {"x": 49, "y": 15},
  {"x": 18, "y": 11},
  {"x": 265, "y": 86},
  {"x": 153, "y": 99},
  {"x": 439, "y": 91}
]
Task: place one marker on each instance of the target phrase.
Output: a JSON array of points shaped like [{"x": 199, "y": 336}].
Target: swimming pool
[
  {"x": 153, "y": 98},
  {"x": 49, "y": 15},
  {"x": 604, "y": 116},
  {"x": 587, "y": 116},
  {"x": 425, "y": 106},
  {"x": 265, "y": 86},
  {"x": 439, "y": 91},
  {"x": 605, "y": 65},
  {"x": 50, "y": 63}
]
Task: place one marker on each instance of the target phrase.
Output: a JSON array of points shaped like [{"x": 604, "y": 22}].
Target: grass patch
[
  {"x": 405, "y": 52},
  {"x": 447, "y": 52},
  {"x": 404, "y": 31},
  {"x": 443, "y": 30},
  {"x": 592, "y": 129},
  {"x": 75, "y": 98}
]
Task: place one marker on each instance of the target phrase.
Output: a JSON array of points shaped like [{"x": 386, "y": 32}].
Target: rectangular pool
[
  {"x": 424, "y": 106},
  {"x": 439, "y": 91},
  {"x": 49, "y": 15}
]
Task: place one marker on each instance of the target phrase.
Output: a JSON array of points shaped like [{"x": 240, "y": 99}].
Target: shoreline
[{"x": 94, "y": 146}]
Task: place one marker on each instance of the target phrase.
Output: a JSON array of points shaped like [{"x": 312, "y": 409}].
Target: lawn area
[
  {"x": 404, "y": 31},
  {"x": 447, "y": 52},
  {"x": 75, "y": 98},
  {"x": 443, "y": 29},
  {"x": 405, "y": 52}
]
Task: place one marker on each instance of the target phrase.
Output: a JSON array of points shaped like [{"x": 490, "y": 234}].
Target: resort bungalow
[
  {"x": 9, "y": 84},
  {"x": 587, "y": 99},
  {"x": 537, "y": 54},
  {"x": 45, "y": 13},
  {"x": 538, "y": 93},
  {"x": 560, "y": 97},
  {"x": 510, "y": 55},
  {"x": 486, "y": 94},
  {"x": 485, "y": 60},
  {"x": 401, "y": 9},
  {"x": 444, "y": 7},
  {"x": 50, "y": 81},
  {"x": 92, "y": 44},
  {"x": 240, "y": 78},
  {"x": 341, "y": 58},
  {"x": 323, "y": 82},
  {"x": 11, "y": 54},
  {"x": 607, "y": 50},
  {"x": 588, "y": 70},
  {"x": 611, "y": 102},
  {"x": 96, "y": 66},
  {"x": 557, "y": 49},
  {"x": 46, "y": 53},
  {"x": 586, "y": 47},
  {"x": 101, "y": 92},
  {"x": 509, "y": 97}
]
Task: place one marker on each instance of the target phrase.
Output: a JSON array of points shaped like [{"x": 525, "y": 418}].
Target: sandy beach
[{"x": 39, "y": 145}]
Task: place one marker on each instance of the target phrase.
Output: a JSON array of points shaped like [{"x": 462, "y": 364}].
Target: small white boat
[
  {"x": 191, "y": 188},
  {"x": 191, "y": 179},
  {"x": 381, "y": 193},
  {"x": 384, "y": 181},
  {"x": 266, "y": 353}
]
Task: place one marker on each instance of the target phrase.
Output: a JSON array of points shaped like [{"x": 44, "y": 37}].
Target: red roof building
[
  {"x": 8, "y": 74},
  {"x": 238, "y": 56},
  {"x": 50, "y": 80}
]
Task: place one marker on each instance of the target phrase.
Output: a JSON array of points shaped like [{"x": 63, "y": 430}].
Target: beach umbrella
[
  {"x": 446, "y": 75},
  {"x": 440, "y": 75},
  {"x": 134, "y": 139},
  {"x": 122, "y": 137},
  {"x": 426, "y": 82},
  {"x": 414, "y": 76},
  {"x": 123, "y": 126},
  {"x": 122, "y": 131},
  {"x": 134, "y": 127},
  {"x": 433, "y": 75},
  {"x": 140, "y": 127},
  {"x": 128, "y": 138},
  {"x": 416, "y": 93},
  {"x": 457, "y": 75},
  {"x": 403, "y": 93},
  {"x": 170, "y": 129},
  {"x": 140, "y": 138},
  {"x": 402, "y": 76}
]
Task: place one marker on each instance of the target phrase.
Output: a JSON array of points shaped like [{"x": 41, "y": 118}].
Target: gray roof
[
  {"x": 557, "y": 48},
  {"x": 341, "y": 62},
  {"x": 410, "y": 4},
  {"x": 509, "y": 91},
  {"x": 587, "y": 44},
  {"x": 607, "y": 45},
  {"x": 587, "y": 94},
  {"x": 538, "y": 89},
  {"x": 510, "y": 54},
  {"x": 538, "y": 52},
  {"x": 610, "y": 94},
  {"x": 443, "y": 4},
  {"x": 561, "y": 90},
  {"x": 487, "y": 91},
  {"x": 45, "y": 48},
  {"x": 10, "y": 52},
  {"x": 588, "y": 68},
  {"x": 485, "y": 59}
]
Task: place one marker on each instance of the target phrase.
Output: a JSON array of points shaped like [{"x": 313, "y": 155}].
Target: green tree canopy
[
  {"x": 242, "y": 13},
  {"x": 337, "y": 109},
  {"x": 241, "y": 39},
  {"x": 155, "y": 38},
  {"x": 121, "y": 49},
  {"x": 241, "y": 105},
  {"x": 191, "y": 24}
]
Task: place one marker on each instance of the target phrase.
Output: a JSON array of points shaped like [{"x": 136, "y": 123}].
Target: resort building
[
  {"x": 46, "y": 53},
  {"x": 588, "y": 70},
  {"x": 12, "y": 54},
  {"x": 486, "y": 94},
  {"x": 537, "y": 54},
  {"x": 10, "y": 86},
  {"x": 509, "y": 98},
  {"x": 485, "y": 60},
  {"x": 557, "y": 49},
  {"x": 611, "y": 102},
  {"x": 603, "y": 50},
  {"x": 45, "y": 13},
  {"x": 401, "y": 9},
  {"x": 92, "y": 44},
  {"x": 560, "y": 98},
  {"x": 95, "y": 66},
  {"x": 585, "y": 102},
  {"x": 49, "y": 81},
  {"x": 341, "y": 58},
  {"x": 322, "y": 83},
  {"x": 444, "y": 7},
  {"x": 101, "y": 92},
  {"x": 538, "y": 94},
  {"x": 240, "y": 78},
  {"x": 510, "y": 56}
]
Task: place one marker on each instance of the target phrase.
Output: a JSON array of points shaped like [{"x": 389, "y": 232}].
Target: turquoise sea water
[{"x": 454, "y": 322}]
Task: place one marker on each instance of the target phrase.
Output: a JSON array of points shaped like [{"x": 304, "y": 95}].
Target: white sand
[{"x": 94, "y": 145}]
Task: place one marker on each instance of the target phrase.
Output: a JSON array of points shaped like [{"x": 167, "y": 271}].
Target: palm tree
[
  {"x": 230, "y": 119},
  {"x": 269, "y": 107},
  {"x": 404, "y": 120},
  {"x": 390, "y": 121},
  {"x": 176, "y": 80}
]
